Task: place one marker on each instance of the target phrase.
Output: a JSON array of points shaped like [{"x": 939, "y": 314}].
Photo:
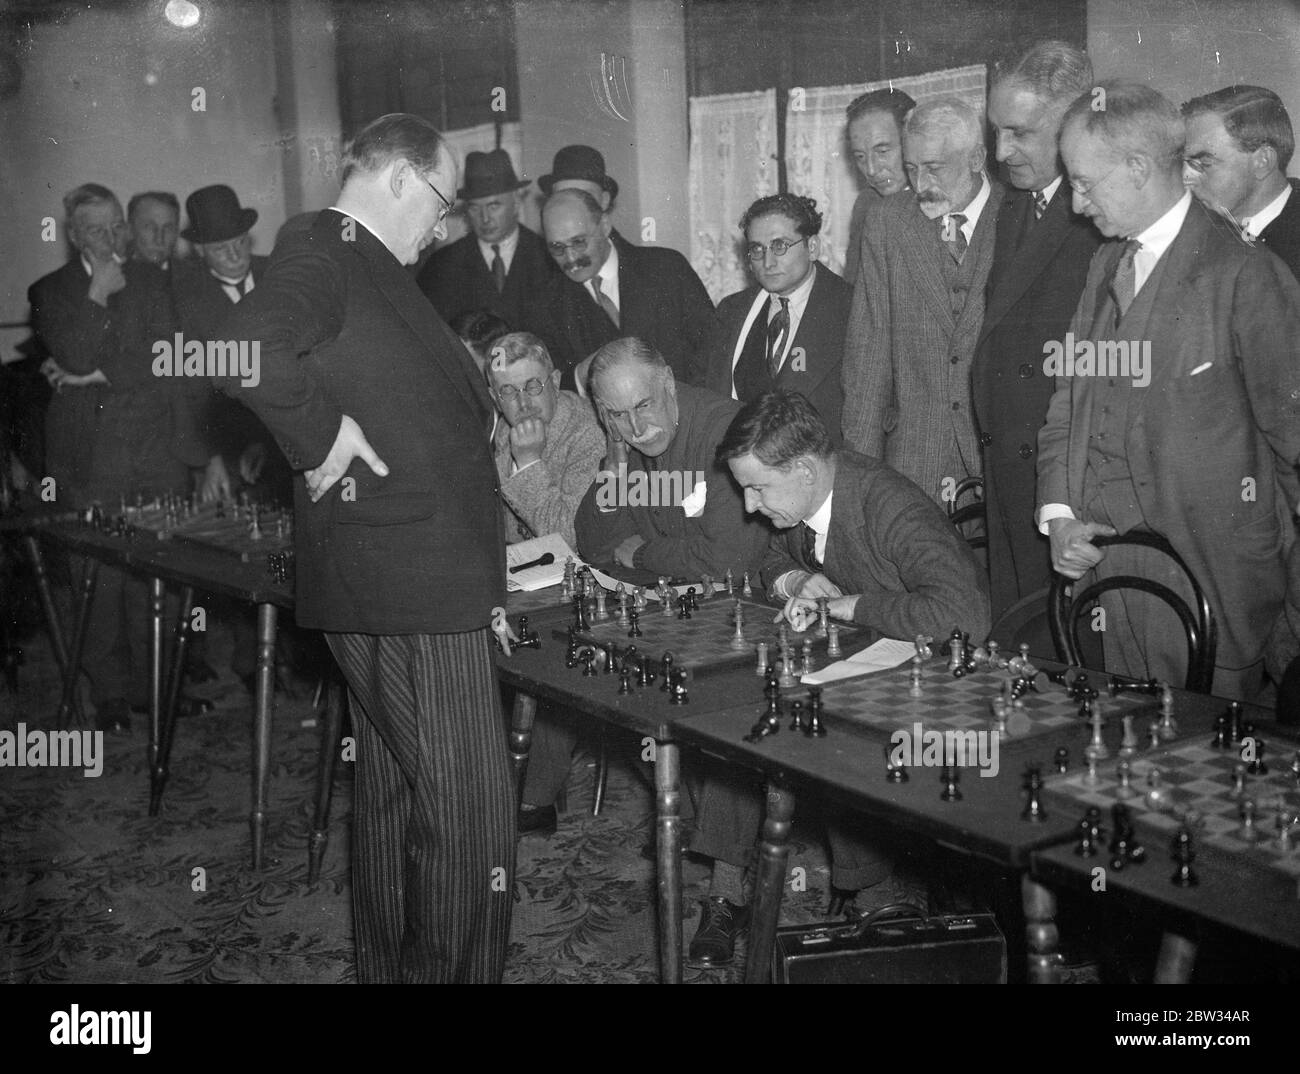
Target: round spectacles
[
  {"x": 756, "y": 251},
  {"x": 509, "y": 391}
]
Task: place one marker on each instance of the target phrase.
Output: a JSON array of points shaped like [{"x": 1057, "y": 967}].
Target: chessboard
[
  {"x": 883, "y": 702},
  {"x": 703, "y": 643},
  {"x": 1198, "y": 788},
  {"x": 249, "y": 532}
]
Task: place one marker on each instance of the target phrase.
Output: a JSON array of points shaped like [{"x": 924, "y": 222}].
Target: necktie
[
  {"x": 1040, "y": 204},
  {"x": 953, "y": 236},
  {"x": 235, "y": 289},
  {"x": 810, "y": 547},
  {"x": 1123, "y": 284},
  {"x": 498, "y": 268},
  {"x": 777, "y": 330},
  {"x": 606, "y": 303}
]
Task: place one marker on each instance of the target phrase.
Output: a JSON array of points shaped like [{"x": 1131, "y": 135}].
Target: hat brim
[
  {"x": 247, "y": 218},
  {"x": 547, "y": 182},
  {"x": 467, "y": 193}
]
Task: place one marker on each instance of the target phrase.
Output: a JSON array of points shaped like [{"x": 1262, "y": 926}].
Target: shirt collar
[
  {"x": 609, "y": 270},
  {"x": 820, "y": 520},
  {"x": 506, "y": 246},
  {"x": 230, "y": 282},
  {"x": 1159, "y": 236},
  {"x": 354, "y": 216},
  {"x": 1257, "y": 223},
  {"x": 798, "y": 297},
  {"x": 976, "y": 206},
  {"x": 1049, "y": 191}
]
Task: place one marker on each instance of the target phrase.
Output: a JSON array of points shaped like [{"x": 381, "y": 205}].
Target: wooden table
[{"x": 848, "y": 766}]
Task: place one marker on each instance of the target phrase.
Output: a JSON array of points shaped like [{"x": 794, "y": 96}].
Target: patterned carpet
[{"x": 94, "y": 890}]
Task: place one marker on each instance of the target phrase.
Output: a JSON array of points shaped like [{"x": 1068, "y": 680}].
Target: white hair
[{"x": 961, "y": 126}]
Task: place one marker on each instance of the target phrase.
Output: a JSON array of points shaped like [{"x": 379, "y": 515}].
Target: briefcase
[{"x": 897, "y": 944}]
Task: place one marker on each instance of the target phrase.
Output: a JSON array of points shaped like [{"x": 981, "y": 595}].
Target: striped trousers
[{"x": 433, "y": 842}]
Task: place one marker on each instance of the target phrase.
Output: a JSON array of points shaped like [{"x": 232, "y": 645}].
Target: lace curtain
[
  {"x": 818, "y": 163},
  {"x": 733, "y": 162}
]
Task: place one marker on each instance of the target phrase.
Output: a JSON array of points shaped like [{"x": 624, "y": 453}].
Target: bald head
[{"x": 577, "y": 233}]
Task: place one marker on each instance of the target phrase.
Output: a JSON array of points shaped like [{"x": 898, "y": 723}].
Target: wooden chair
[
  {"x": 1066, "y": 607},
  {"x": 973, "y": 512}
]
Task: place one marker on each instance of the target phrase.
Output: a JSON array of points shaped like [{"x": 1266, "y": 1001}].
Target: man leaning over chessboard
[{"x": 859, "y": 533}]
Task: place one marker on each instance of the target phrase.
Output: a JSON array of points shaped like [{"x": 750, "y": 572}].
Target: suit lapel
[
  {"x": 981, "y": 249},
  {"x": 632, "y": 310},
  {"x": 921, "y": 256},
  {"x": 810, "y": 337},
  {"x": 1031, "y": 258}
]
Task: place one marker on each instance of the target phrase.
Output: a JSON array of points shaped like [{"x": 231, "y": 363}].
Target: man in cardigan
[
  {"x": 662, "y": 503},
  {"x": 400, "y": 552},
  {"x": 548, "y": 449},
  {"x": 788, "y": 329},
  {"x": 855, "y": 531},
  {"x": 501, "y": 266}
]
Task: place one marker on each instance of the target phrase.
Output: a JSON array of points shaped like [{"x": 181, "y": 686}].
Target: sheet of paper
[
  {"x": 883, "y": 655},
  {"x": 542, "y": 577}
]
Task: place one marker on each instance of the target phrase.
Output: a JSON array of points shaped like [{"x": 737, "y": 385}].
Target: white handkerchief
[{"x": 693, "y": 504}]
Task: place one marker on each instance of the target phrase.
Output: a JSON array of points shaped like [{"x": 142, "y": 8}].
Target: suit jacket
[
  {"x": 820, "y": 336},
  {"x": 1282, "y": 236},
  {"x": 661, "y": 301},
  {"x": 907, "y": 353},
  {"x": 857, "y": 219},
  {"x": 1033, "y": 289},
  {"x": 456, "y": 279},
  {"x": 343, "y": 329},
  {"x": 138, "y": 433},
  {"x": 894, "y": 546},
  {"x": 1214, "y": 439},
  {"x": 543, "y": 498},
  {"x": 684, "y": 539}
]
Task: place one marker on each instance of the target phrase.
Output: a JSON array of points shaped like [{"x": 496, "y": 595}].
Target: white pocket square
[
  {"x": 1200, "y": 368},
  {"x": 693, "y": 504}
]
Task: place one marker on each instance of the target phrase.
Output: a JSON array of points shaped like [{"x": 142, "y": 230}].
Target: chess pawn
[
  {"x": 956, "y": 655},
  {"x": 787, "y": 670},
  {"x": 669, "y": 598},
  {"x": 625, "y": 680},
  {"x": 807, "y": 658},
  {"x": 621, "y": 595},
  {"x": 634, "y": 624},
  {"x": 914, "y": 690},
  {"x": 1238, "y": 780},
  {"x": 895, "y": 770},
  {"x": 1157, "y": 795},
  {"x": 1090, "y": 755},
  {"x": 1128, "y": 744},
  {"x": 601, "y": 611},
  {"x": 746, "y": 590},
  {"x": 950, "y": 775},
  {"x": 823, "y": 616},
  {"x": 1168, "y": 725},
  {"x": 728, "y": 582},
  {"x": 1000, "y": 712},
  {"x": 833, "y": 641},
  {"x": 1061, "y": 760},
  {"x": 1097, "y": 745},
  {"x": 1153, "y": 734},
  {"x": 1246, "y": 810},
  {"x": 1184, "y": 854},
  {"x": 1087, "y": 845},
  {"x": 796, "y": 715},
  {"x": 1124, "y": 773},
  {"x": 1033, "y": 786},
  {"x": 1282, "y": 826},
  {"x": 738, "y": 637},
  {"x": 761, "y": 648}
]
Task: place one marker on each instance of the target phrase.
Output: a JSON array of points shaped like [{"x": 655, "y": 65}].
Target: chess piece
[
  {"x": 1168, "y": 725},
  {"x": 950, "y": 775},
  {"x": 894, "y": 772},
  {"x": 1133, "y": 686},
  {"x": 761, "y": 648},
  {"x": 1124, "y": 773},
  {"x": 738, "y": 638},
  {"x": 1238, "y": 780},
  {"x": 746, "y": 590},
  {"x": 1033, "y": 787},
  {"x": 683, "y": 608},
  {"x": 625, "y": 680},
  {"x": 588, "y": 662},
  {"x": 1097, "y": 723},
  {"x": 621, "y": 595},
  {"x": 956, "y": 650},
  {"x": 1128, "y": 744},
  {"x": 634, "y": 624},
  {"x": 914, "y": 690},
  {"x": 1220, "y": 740},
  {"x": 823, "y": 616},
  {"x": 669, "y": 601},
  {"x": 645, "y": 673},
  {"x": 796, "y": 716},
  {"x": 727, "y": 582},
  {"x": 833, "y": 641},
  {"x": 1157, "y": 794},
  {"x": 1001, "y": 710},
  {"x": 666, "y": 672},
  {"x": 1153, "y": 734},
  {"x": 1061, "y": 760},
  {"x": 1234, "y": 723},
  {"x": 922, "y": 644},
  {"x": 814, "y": 728},
  {"x": 1089, "y": 833},
  {"x": 1257, "y": 767},
  {"x": 528, "y": 639},
  {"x": 602, "y": 613},
  {"x": 580, "y": 621},
  {"x": 769, "y": 723},
  {"x": 639, "y": 598},
  {"x": 677, "y": 695},
  {"x": 1246, "y": 810},
  {"x": 1124, "y": 847},
  {"x": 1090, "y": 756},
  {"x": 1282, "y": 826},
  {"x": 707, "y": 588},
  {"x": 1184, "y": 854},
  {"x": 692, "y": 604},
  {"x": 807, "y": 658},
  {"x": 787, "y": 669}
]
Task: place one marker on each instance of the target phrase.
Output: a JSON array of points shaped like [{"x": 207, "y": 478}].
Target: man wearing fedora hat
[{"x": 501, "y": 266}]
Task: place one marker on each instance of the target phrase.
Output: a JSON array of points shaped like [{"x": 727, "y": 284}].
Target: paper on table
[
  {"x": 534, "y": 578},
  {"x": 884, "y": 654}
]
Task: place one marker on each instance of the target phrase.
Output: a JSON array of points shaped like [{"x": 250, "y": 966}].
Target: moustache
[
  {"x": 582, "y": 263},
  {"x": 931, "y": 199},
  {"x": 650, "y": 435}
]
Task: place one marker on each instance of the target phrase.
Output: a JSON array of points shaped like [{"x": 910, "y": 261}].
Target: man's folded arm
[
  {"x": 74, "y": 332},
  {"x": 600, "y": 532},
  {"x": 299, "y": 305},
  {"x": 726, "y": 539},
  {"x": 547, "y": 496}
]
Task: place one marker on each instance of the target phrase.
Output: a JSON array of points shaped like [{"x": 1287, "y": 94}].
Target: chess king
[{"x": 854, "y": 531}]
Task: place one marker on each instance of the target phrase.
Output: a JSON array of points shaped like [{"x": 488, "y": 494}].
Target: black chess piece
[
  {"x": 796, "y": 715},
  {"x": 1184, "y": 853},
  {"x": 895, "y": 772},
  {"x": 528, "y": 639},
  {"x": 1033, "y": 787},
  {"x": 1234, "y": 723},
  {"x": 814, "y": 727},
  {"x": 677, "y": 695},
  {"x": 666, "y": 672},
  {"x": 645, "y": 675},
  {"x": 580, "y": 620},
  {"x": 1124, "y": 847},
  {"x": 634, "y": 624},
  {"x": 625, "y": 680},
  {"x": 692, "y": 604},
  {"x": 950, "y": 774},
  {"x": 683, "y": 608},
  {"x": 571, "y": 651},
  {"x": 1220, "y": 740},
  {"x": 1061, "y": 760},
  {"x": 1119, "y": 686},
  {"x": 769, "y": 723},
  {"x": 1089, "y": 833},
  {"x": 588, "y": 662},
  {"x": 1257, "y": 767}
]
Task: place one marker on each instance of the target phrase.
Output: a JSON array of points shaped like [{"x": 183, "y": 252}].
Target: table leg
[
  {"x": 47, "y": 601},
  {"x": 266, "y": 622},
  {"x": 1041, "y": 936},
  {"x": 773, "y": 853},
  {"x": 157, "y": 595},
  {"x": 81, "y": 617},
  {"x": 158, "y": 773},
  {"x": 668, "y": 804},
  {"x": 325, "y": 763},
  {"x": 1176, "y": 960},
  {"x": 521, "y": 737}
]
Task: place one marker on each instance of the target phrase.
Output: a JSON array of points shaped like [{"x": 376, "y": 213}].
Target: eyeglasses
[
  {"x": 445, "y": 211},
  {"x": 578, "y": 246},
  {"x": 756, "y": 251},
  {"x": 532, "y": 387},
  {"x": 1086, "y": 191}
]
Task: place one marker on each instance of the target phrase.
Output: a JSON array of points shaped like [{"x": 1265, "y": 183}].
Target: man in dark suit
[
  {"x": 1196, "y": 436},
  {"x": 1239, "y": 143},
  {"x": 580, "y": 167},
  {"x": 155, "y": 219},
  {"x": 918, "y": 304},
  {"x": 874, "y": 129},
  {"x": 400, "y": 551},
  {"x": 114, "y": 430},
  {"x": 851, "y": 529},
  {"x": 613, "y": 289},
  {"x": 1041, "y": 255},
  {"x": 205, "y": 293},
  {"x": 787, "y": 331},
  {"x": 501, "y": 266}
]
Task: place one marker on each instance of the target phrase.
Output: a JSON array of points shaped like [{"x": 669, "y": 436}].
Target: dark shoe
[
  {"x": 539, "y": 820},
  {"x": 113, "y": 716},
  {"x": 843, "y": 904},
  {"x": 715, "y": 940}
]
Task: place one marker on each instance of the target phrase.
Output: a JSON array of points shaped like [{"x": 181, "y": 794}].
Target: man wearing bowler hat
[
  {"x": 501, "y": 266},
  {"x": 579, "y": 167}
]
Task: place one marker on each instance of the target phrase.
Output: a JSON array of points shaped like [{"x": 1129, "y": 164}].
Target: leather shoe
[
  {"x": 539, "y": 820},
  {"x": 113, "y": 716},
  {"x": 715, "y": 940}
]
